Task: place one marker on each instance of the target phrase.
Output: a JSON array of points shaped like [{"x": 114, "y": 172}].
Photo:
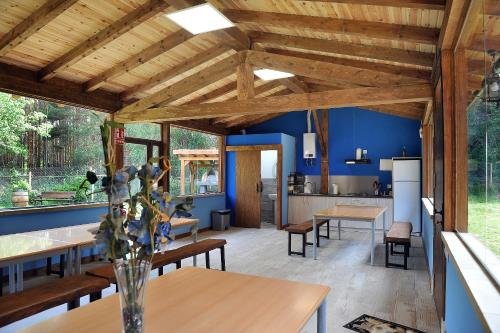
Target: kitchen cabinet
[{"x": 301, "y": 208}]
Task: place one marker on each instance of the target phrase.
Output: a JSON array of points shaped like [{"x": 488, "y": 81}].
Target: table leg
[
  {"x": 315, "y": 230},
  {"x": 12, "y": 278},
  {"x": 19, "y": 273},
  {"x": 338, "y": 227},
  {"x": 69, "y": 262},
  {"x": 194, "y": 234},
  {"x": 384, "y": 226},
  {"x": 322, "y": 317},
  {"x": 373, "y": 243},
  {"x": 78, "y": 260}
]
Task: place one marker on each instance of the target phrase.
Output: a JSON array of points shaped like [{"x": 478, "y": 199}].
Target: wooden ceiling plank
[
  {"x": 295, "y": 85},
  {"x": 188, "y": 85},
  {"x": 324, "y": 70},
  {"x": 416, "y": 4},
  {"x": 349, "y": 49},
  {"x": 202, "y": 125},
  {"x": 227, "y": 88},
  {"x": 168, "y": 74},
  {"x": 338, "y": 98},
  {"x": 29, "y": 26},
  {"x": 424, "y": 75},
  {"x": 19, "y": 81},
  {"x": 138, "y": 59},
  {"x": 342, "y": 26},
  {"x": 388, "y": 110},
  {"x": 113, "y": 31}
]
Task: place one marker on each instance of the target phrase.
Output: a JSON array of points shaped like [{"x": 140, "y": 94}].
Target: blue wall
[
  {"x": 381, "y": 134},
  {"x": 288, "y": 149},
  {"x": 428, "y": 238},
  {"x": 460, "y": 315}
]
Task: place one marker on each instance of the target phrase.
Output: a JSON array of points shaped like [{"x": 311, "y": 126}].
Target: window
[
  {"x": 478, "y": 58},
  {"x": 47, "y": 148},
  {"x": 195, "y": 162}
]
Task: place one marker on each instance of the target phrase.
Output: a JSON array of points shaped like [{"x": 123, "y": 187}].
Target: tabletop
[
  {"x": 203, "y": 300},
  {"x": 17, "y": 246},
  {"x": 356, "y": 212}
]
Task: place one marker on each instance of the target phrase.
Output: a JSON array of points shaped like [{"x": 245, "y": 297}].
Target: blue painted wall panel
[
  {"x": 382, "y": 135},
  {"x": 460, "y": 315},
  {"x": 428, "y": 238}
]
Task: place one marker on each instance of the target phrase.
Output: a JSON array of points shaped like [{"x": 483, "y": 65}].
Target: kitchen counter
[{"x": 341, "y": 195}]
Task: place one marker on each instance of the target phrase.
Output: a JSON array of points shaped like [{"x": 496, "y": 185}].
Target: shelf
[{"x": 362, "y": 161}]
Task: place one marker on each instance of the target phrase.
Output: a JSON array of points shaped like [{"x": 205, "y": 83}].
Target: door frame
[{"x": 279, "y": 174}]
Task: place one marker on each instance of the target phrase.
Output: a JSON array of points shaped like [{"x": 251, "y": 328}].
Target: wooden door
[
  {"x": 439, "y": 264},
  {"x": 248, "y": 189}
]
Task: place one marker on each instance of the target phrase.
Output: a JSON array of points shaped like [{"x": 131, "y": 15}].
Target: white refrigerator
[{"x": 406, "y": 187}]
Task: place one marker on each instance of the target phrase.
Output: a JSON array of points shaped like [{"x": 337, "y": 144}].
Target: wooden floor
[{"x": 357, "y": 288}]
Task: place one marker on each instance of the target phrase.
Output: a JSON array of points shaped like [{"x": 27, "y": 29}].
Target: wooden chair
[
  {"x": 67, "y": 290},
  {"x": 399, "y": 234},
  {"x": 302, "y": 229}
]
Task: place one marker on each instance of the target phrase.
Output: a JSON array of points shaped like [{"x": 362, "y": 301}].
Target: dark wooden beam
[
  {"x": 202, "y": 125},
  {"x": 23, "y": 82},
  {"x": 416, "y": 4}
]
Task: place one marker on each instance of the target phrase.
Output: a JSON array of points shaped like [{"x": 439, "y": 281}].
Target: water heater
[{"x": 309, "y": 145}]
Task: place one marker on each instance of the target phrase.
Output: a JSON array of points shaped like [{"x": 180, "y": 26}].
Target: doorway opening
[{"x": 269, "y": 188}]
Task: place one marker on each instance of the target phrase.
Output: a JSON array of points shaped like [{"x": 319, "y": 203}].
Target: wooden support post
[
  {"x": 192, "y": 176},
  {"x": 183, "y": 176},
  {"x": 222, "y": 162},
  {"x": 244, "y": 81},
  {"x": 324, "y": 152},
  {"x": 165, "y": 151}
]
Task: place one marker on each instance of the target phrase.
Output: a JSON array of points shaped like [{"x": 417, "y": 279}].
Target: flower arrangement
[{"x": 136, "y": 226}]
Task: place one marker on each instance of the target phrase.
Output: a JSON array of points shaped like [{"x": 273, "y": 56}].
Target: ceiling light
[
  {"x": 270, "y": 74},
  {"x": 199, "y": 19}
]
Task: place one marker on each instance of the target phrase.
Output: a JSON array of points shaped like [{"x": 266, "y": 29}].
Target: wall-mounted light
[{"x": 492, "y": 81}]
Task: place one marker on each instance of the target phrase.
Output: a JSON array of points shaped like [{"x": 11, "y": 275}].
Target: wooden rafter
[
  {"x": 419, "y": 74},
  {"x": 37, "y": 20},
  {"x": 138, "y": 59},
  {"x": 116, "y": 29},
  {"x": 333, "y": 25},
  {"x": 295, "y": 102},
  {"x": 401, "y": 110},
  {"x": 418, "y": 4},
  {"x": 323, "y": 70},
  {"x": 166, "y": 75},
  {"x": 216, "y": 93},
  {"x": 295, "y": 85},
  {"x": 401, "y": 56},
  {"x": 245, "y": 81},
  {"x": 188, "y": 85}
]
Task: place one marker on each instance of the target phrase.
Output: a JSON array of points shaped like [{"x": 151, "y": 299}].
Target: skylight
[
  {"x": 270, "y": 74},
  {"x": 200, "y": 19}
]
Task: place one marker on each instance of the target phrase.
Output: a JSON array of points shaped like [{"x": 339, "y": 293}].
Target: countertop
[{"x": 341, "y": 195}]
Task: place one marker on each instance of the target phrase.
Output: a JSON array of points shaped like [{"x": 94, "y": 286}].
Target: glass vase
[{"x": 132, "y": 278}]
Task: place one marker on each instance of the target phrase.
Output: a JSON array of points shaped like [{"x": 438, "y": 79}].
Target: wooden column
[
  {"x": 322, "y": 132},
  {"x": 165, "y": 151},
  {"x": 244, "y": 81},
  {"x": 461, "y": 144},
  {"x": 222, "y": 163},
  {"x": 447, "y": 79},
  {"x": 183, "y": 176}
]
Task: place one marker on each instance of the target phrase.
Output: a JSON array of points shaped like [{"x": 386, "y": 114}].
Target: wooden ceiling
[{"x": 125, "y": 56}]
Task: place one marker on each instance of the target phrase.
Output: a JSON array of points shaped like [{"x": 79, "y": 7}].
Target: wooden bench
[
  {"x": 399, "y": 234},
  {"x": 68, "y": 290},
  {"x": 61, "y": 196},
  {"x": 171, "y": 257},
  {"x": 302, "y": 229}
]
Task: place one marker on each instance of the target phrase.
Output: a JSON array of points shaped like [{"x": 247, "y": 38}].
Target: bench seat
[
  {"x": 302, "y": 229},
  {"x": 68, "y": 290},
  {"x": 398, "y": 234}
]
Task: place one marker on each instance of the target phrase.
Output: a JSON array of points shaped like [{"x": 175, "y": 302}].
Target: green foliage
[
  {"x": 16, "y": 119},
  {"x": 143, "y": 131},
  {"x": 17, "y": 183},
  {"x": 72, "y": 185}
]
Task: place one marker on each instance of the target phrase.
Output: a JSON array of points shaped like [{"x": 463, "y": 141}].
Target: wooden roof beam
[
  {"x": 138, "y": 59},
  {"x": 115, "y": 30},
  {"x": 295, "y": 102},
  {"x": 401, "y": 56},
  {"x": 188, "y": 85},
  {"x": 342, "y": 26},
  {"x": 416, "y": 74},
  {"x": 29, "y": 26},
  {"x": 170, "y": 73},
  {"x": 416, "y": 4},
  {"x": 324, "y": 70}
]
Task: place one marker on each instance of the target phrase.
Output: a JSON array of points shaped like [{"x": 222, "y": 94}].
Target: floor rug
[{"x": 370, "y": 324}]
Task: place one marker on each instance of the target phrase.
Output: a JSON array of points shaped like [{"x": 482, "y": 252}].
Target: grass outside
[{"x": 484, "y": 222}]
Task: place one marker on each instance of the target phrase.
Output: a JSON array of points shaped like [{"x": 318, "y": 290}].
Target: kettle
[
  {"x": 335, "y": 189},
  {"x": 308, "y": 188}
]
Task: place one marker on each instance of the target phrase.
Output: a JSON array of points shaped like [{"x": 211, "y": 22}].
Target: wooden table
[
  {"x": 17, "y": 249},
  {"x": 354, "y": 213},
  {"x": 203, "y": 300}
]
